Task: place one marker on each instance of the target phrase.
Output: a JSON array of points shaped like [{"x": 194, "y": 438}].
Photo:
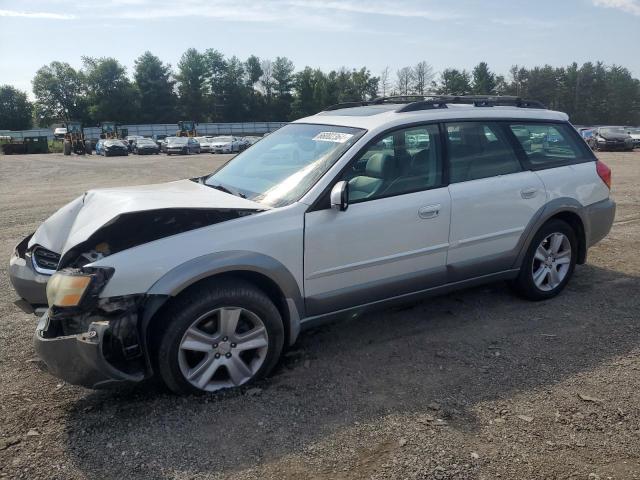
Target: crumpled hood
[{"x": 79, "y": 219}]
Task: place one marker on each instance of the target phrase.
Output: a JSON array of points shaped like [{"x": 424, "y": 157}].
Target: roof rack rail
[{"x": 427, "y": 102}]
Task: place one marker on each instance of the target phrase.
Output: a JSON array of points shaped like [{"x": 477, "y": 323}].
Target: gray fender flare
[
  {"x": 554, "y": 207},
  {"x": 188, "y": 273}
]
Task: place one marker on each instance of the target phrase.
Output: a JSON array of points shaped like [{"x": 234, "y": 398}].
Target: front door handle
[
  {"x": 528, "y": 193},
  {"x": 429, "y": 211}
]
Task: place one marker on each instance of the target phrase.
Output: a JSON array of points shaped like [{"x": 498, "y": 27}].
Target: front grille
[{"x": 44, "y": 259}]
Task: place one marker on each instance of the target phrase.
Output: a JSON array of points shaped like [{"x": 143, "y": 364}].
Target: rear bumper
[
  {"x": 80, "y": 359},
  {"x": 599, "y": 217}
]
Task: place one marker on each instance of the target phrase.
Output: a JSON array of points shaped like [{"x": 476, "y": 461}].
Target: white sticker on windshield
[{"x": 336, "y": 137}]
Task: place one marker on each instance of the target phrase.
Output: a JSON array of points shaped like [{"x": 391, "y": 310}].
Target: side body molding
[{"x": 188, "y": 273}]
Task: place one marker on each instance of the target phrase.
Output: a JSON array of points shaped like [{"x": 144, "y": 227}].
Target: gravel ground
[{"x": 476, "y": 384}]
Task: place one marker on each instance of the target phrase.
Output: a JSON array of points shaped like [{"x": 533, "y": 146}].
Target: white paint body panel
[
  {"x": 490, "y": 214},
  {"x": 375, "y": 240},
  {"x": 580, "y": 182},
  {"x": 276, "y": 233}
]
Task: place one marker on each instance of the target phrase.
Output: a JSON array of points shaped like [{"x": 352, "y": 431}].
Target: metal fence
[{"x": 208, "y": 129}]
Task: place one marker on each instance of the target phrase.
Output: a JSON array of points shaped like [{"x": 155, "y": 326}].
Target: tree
[
  {"x": 484, "y": 81},
  {"x": 363, "y": 85},
  {"x": 192, "y": 84},
  {"x": 15, "y": 109},
  {"x": 60, "y": 93},
  {"x": 216, "y": 71},
  {"x": 282, "y": 83},
  {"x": 422, "y": 78},
  {"x": 404, "y": 80},
  {"x": 454, "y": 82},
  {"x": 155, "y": 86},
  {"x": 304, "y": 85},
  {"x": 385, "y": 82},
  {"x": 110, "y": 94},
  {"x": 235, "y": 91},
  {"x": 253, "y": 69}
]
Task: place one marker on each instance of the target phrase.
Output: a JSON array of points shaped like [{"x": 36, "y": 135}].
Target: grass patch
[{"x": 55, "y": 146}]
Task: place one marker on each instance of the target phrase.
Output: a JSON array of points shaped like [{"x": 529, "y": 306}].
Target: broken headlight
[{"x": 73, "y": 287}]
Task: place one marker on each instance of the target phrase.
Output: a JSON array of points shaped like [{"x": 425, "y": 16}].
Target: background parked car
[
  {"x": 252, "y": 139},
  {"x": 588, "y": 135},
  {"x": 225, "y": 144},
  {"x": 163, "y": 144},
  {"x": 159, "y": 139},
  {"x": 145, "y": 146},
  {"x": 205, "y": 144},
  {"x": 634, "y": 132},
  {"x": 244, "y": 143},
  {"x": 111, "y": 147},
  {"x": 612, "y": 138},
  {"x": 130, "y": 139},
  {"x": 182, "y": 145}
]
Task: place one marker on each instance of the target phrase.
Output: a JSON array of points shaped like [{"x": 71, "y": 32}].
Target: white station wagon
[{"x": 204, "y": 281}]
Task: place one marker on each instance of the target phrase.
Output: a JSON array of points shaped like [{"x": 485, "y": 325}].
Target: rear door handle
[
  {"x": 528, "y": 193},
  {"x": 429, "y": 211}
]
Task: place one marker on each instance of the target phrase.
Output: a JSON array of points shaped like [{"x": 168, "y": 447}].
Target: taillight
[{"x": 604, "y": 172}]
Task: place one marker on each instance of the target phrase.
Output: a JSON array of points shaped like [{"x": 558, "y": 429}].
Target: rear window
[{"x": 549, "y": 145}]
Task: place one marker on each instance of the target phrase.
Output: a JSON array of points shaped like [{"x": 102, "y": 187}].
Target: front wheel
[
  {"x": 219, "y": 335},
  {"x": 549, "y": 262}
]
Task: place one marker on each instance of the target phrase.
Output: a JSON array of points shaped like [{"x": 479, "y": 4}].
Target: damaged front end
[{"x": 87, "y": 340}]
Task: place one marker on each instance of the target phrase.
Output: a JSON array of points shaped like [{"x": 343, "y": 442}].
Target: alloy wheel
[
  {"x": 551, "y": 262},
  {"x": 223, "y": 348}
]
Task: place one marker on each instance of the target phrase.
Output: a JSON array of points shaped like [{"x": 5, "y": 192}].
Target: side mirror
[{"x": 340, "y": 196}]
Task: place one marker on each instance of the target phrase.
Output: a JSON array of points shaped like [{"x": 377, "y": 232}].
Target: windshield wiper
[{"x": 224, "y": 189}]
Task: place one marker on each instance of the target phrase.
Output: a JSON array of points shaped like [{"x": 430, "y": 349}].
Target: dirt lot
[{"x": 476, "y": 384}]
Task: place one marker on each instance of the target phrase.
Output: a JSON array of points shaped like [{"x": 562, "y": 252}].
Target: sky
[{"x": 321, "y": 33}]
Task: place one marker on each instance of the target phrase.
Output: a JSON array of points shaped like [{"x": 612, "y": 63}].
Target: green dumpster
[{"x": 36, "y": 144}]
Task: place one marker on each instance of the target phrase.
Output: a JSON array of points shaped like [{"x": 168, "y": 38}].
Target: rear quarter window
[{"x": 548, "y": 145}]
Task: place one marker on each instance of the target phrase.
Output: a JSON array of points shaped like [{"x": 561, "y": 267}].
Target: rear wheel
[
  {"x": 219, "y": 335},
  {"x": 549, "y": 262},
  {"x": 66, "y": 147}
]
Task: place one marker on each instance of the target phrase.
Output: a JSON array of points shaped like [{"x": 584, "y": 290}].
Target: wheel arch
[
  {"x": 568, "y": 210},
  {"x": 263, "y": 271}
]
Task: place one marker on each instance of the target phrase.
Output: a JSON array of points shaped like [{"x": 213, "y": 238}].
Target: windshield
[
  {"x": 221, "y": 139},
  {"x": 635, "y": 130},
  {"x": 611, "y": 130},
  {"x": 280, "y": 168},
  {"x": 110, "y": 143},
  {"x": 145, "y": 142},
  {"x": 178, "y": 140}
]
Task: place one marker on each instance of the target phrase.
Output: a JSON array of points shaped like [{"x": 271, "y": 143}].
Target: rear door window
[
  {"x": 549, "y": 145},
  {"x": 479, "y": 150}
]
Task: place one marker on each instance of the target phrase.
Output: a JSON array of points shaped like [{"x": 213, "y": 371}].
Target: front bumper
[
  {"x": 177, "y": 151},
  {"x": 81, "y": 359},
  {"x": 28, "y": 284},
  {"x": 611, "y": 146},
  {"x": 117, "y": 152}
]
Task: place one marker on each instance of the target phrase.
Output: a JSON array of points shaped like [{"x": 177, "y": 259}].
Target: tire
[
  {"x": 87, "y": 148},
  {"x": 535, "y": 280},
  {"x": 66, "y": 148},
  {"x": 200, "y": 311}
]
